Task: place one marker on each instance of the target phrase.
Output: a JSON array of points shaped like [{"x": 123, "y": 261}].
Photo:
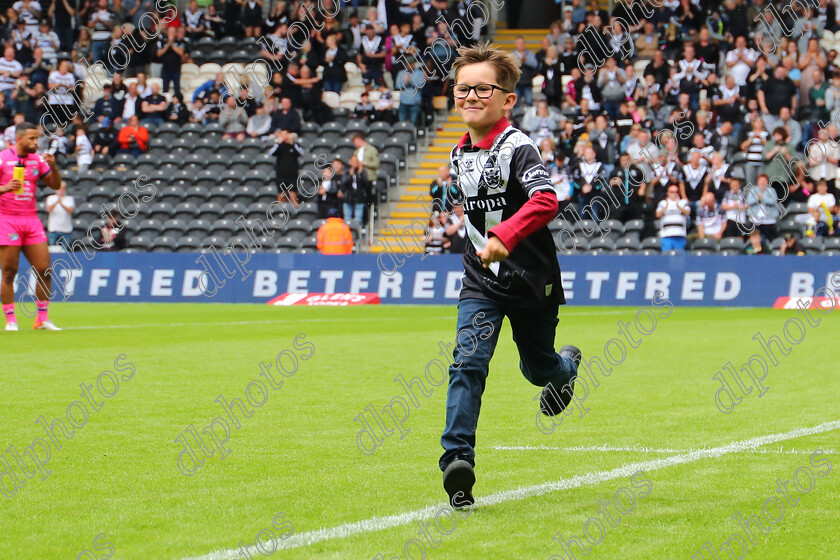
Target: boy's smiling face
[{"x": 481, "y": 114}]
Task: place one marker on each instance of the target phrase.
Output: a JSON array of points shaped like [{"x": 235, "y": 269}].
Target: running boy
[
  {"x": 510, "y": 265},
  {"x": 20, "y": 228}
]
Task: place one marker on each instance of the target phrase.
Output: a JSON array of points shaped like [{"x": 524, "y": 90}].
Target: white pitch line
[
  {"x": 381, "y": 523},
  {"x": 610, "y": 448}
]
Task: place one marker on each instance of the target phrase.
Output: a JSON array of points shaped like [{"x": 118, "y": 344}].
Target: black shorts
[{"x": 286, "y": 183}]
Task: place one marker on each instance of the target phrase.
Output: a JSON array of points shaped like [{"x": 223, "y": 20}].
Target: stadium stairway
[{"x": 413, "y": 203}]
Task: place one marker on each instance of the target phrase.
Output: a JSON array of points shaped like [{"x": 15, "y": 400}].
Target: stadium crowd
[{"x": 754, "y": 84}]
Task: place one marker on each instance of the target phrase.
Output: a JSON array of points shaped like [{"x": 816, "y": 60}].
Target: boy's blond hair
[{"x": 507, "y": 70}]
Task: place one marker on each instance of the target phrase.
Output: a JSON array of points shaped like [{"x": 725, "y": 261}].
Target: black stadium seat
[
  {"x": 210, "y": 210},
  {"x": 140, "y": 243},
  {"x": 200, "y": 228},
  {"x": 175, "y": 228},
  {"x": 732, "y": 244},
  {"x": 812, "y": 245},
  {"x": 652, "y": 244},
  {"x": 163, "y": 244},
  {"x": 149, "y": 228}
]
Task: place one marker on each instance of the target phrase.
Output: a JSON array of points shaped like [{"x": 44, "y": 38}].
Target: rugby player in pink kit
[{"x": 20, "y": 228}]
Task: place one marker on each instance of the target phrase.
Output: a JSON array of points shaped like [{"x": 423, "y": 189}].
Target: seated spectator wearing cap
[
  {"x": 133, "y": 138},
  {"x": 334, "y": 236},
  {"x": 105, "y": 139}
]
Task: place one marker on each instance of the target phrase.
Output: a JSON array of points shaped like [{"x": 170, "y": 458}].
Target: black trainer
[
  {"x": 458, "y": 480},
  {"x": 554, "y": 399}
]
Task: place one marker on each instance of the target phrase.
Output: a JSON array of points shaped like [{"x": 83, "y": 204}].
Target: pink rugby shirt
[{"x": 21, "y": 204}]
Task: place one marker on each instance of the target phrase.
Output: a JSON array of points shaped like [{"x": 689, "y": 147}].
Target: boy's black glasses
[{"x": 482, "y": 91}]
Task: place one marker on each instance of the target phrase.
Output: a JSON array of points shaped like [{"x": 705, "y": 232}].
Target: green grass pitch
[{"x": 297, "y": 454}]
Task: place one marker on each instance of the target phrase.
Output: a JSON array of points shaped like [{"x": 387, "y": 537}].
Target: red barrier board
[
  {"x": 824, "y": 303},
  {"x": 337, "y": 299}
]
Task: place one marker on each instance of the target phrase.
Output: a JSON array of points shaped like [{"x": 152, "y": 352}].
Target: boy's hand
[{"x": 494, "y": 251}]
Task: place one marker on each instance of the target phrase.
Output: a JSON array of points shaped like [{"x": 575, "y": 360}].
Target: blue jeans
[
  {"x": 333, "y": 85},
  {"x": 354, "y": 211},
  {"x": 174, "y": 77},
  {"x": 673, "y": 244},
  {"x": 99, "y": 50},
  {"x": 524, "y": 95},
  {"x": 533, "y": 333},
  {"x": 55, "y": 236},
  {"x": 408, "y": 113}
]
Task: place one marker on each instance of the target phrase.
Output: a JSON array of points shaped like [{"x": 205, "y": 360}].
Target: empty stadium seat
[
  {"x": 812, "y": 245},
  {"x": 652, "y": 244},
  {"x": 199, "y": 228},
  {"x": 706, "y": 244},
  {"x": 175, "y": 228},
  {"x": 210, "y": 210},
  {"x": 149, "y": 228},
  {"x": 732, "y": 244},
  {"x": 140, "y": 242}
]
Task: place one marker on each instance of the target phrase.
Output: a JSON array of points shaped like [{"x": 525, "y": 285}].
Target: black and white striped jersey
[{"x": 496, "y": 177}]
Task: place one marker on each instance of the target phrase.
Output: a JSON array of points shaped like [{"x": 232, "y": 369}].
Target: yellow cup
[{"x": 20, "y": 175}]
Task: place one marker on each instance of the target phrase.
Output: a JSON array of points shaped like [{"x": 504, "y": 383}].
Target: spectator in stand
[
  {"x": 354, "y": 191},
  {"x": 527, "y": 62},
  {"x": 105, "y": 139},
  {"x": 777, "y": 155},
  {"x": 60, "y": 208},
  {"x": 252, "y": 17},
  {"x": 63, "y": 14},
  {"x": 822, "y": 206},
  {"x": 444, "y": 191},
  {"x": 456, "y": 230},
  {"x": 334, "y": 236},
  {"x": 711, "y": 221},
  {"x": 364, "y": 108},
  {"x": 334, "y": 58},
  {"x": 233, "y": 120},
  {"x": 436, "y": 241},
  {"x": 753, "y": 145},
  {"x": 777, "y": 92},
  {"x": 275, "y": 46},
  {"x": 824, "y": 156},
  {"x": 171, "y": 53},
  {"x": 83, "y": 47},
  {"x": 371, "y": 56},
  {"x": 216, "y": 84},
  {"x": 410, "y": 85},
  {"x": 154, "y": 106},
  {"x": 286, "y": 117},
  {"x": 47, "y": 40},
  {"x": 259, "y": 124},
  {"x": 21, "y": 39},
  {"x": 102, "y": 23},
  {"x": 176, "y": 112},
  {"x": 368, "y": 155},
  {"x": 791, "y": 246},
  {"x": 215, "y": 22},
  {"x": 39, "y": 71},
  {"x": 113, "y": 234},
  {"x": 214, "y": 107},
  {"x": 198, "y": 113},
  {"x": 133, "y": 138},
  {"x": 384, "y": 110},
  {"x": 763, "y": 207},
  {"x": 735, "y": 206},
  {"x": 83, "y": 150},
  {"x": 10, "y": 70},
  {"x": 194, "y": 22},
  {"x": 328, "y": 194},
  {"x": 129, "y": 106},
  {"x": 61, "y": 83},
  {"x": 674, "y": 212},
  {"x": 286, "y": 152},
  {"x": 24, "y": 98},
  {"x": 756, "y": 245}
]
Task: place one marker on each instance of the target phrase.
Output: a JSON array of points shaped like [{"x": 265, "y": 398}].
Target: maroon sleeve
[{"x": 534, "y": 214}]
